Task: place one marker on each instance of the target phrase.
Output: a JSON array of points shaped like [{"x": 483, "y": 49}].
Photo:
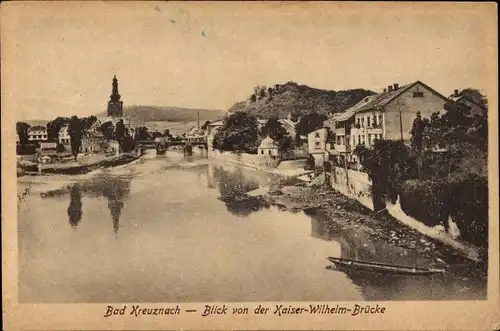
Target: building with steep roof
[
  {"x": 387, "y": 115},
  {"x": 475, "y": 107}
]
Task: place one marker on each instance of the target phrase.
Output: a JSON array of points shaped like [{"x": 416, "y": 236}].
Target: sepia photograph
[{"x": 336, "y": 155}]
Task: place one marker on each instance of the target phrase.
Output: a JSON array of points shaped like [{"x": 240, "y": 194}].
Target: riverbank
[
  {"x": 81, "y": 166},
  {"x": 341, "y": 214}
]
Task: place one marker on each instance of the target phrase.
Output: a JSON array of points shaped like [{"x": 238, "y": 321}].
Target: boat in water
[{"x": 357, "y": 265}]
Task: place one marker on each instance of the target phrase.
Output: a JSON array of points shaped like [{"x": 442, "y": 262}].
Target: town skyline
[{"x": 207, "y": 59}]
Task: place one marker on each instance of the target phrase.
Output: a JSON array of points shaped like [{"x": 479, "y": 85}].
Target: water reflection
[
  {"x": 114, "y": 189},
  {"x": 233, "y": 186},
  {"x": 75, "y": 206}
]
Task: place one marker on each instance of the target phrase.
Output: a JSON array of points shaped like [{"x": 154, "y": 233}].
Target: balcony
[{"x": 375, "y": 129}]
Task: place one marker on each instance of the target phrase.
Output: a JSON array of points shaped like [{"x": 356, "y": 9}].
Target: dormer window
[{"x": 316, "y": 135}]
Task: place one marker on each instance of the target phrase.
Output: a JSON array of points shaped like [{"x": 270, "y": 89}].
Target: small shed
[
  {"x": 268, "y": 147},
  {"x": 46, "y": 159}
]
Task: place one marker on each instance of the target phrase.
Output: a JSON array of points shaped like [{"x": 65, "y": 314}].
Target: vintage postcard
[{"x": 249, "y": 165}]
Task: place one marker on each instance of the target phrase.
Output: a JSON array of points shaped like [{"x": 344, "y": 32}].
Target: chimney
[
  {"x": 385, "y": 90},
  {"x": 389, "y": 88},
  {"x": 455, "y": 93},
  {"x": 396, "y": 86}
]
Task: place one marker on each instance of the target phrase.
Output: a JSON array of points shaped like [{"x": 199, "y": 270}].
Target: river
[{"x": 164, "y": 229}]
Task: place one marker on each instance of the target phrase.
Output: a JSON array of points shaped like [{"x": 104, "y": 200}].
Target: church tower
[{"x": 115, "y": 106}]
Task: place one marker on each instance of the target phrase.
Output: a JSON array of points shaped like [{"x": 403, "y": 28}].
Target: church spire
[
  {"x": 115, "y": 105},
  {"x": 115, "y": 96}
]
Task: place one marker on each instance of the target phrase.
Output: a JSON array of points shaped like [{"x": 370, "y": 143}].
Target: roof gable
[
  {"x": 37, "y": 128},
  {"x": 379, "y": 101}
]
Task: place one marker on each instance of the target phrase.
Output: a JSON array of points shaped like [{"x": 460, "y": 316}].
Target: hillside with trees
[{"x": 299, "y": 100}]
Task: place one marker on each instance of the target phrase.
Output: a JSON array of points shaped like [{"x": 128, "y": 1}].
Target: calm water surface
[{"x": 168, "y": 230}]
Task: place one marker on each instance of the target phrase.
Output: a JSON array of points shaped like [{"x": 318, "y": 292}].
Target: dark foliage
[
  {"x": 239, "y": 134},
  {"x": 54, "y": 126},
  {"x": 108, "y": 130},
  {"x": 142, "y": 134},
  {"x": 298, "y": 100},
  {"x": 309, "y": 123},
  {"x": 76, "y": 135},
  {"x": 22, "y": 132}
]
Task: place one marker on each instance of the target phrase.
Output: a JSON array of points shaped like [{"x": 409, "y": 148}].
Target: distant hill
[
  {"x": 142, "y": 114},
  {"x": 299, "y": 100}
]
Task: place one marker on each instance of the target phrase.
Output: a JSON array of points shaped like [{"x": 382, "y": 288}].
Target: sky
[{"x": 59, "y": 58}]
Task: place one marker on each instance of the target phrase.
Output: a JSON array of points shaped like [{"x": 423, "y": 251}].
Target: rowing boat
[{"x": 383, "y": 268}]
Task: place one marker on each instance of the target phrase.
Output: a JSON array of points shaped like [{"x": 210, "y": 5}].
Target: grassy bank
[{"x": 80, "y": 167}]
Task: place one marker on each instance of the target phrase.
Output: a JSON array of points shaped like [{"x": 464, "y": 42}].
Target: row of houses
[{"x": 386, "y": 115}]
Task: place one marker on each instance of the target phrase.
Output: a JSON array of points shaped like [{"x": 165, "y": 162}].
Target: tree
[
  {"x": 54, "y": 126},
  {"x": 128, "y": 144},
  {"x": 87, "y": 122},
  {"x": 141, "y": 133},
  {"x": 156, "y": 134},
  {"x": 476, "y": 96},
  {"x": 239, "y": 134},
  {"x": 76, "y": 134},
  {"x": 463, "y": 137},
  {"x": 108, "y": 130},
  {"x": 22, "y": 132},
  {"x": 388, "y": 164},
  {"x": 309, "y": 123},
  {"x": 120, "y": 131},
  {"x": 417, "y": 131},
  {"x": 253, "y": 98},
  {"x": 298, "y": 140},
  {"x": 60, "y": 148},
  {"x": 205, "y": 125}
]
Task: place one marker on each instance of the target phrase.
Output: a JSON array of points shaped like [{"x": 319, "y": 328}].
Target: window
[
  {"x": 368, "y": 121},
  {"x": 380, "y": 119},
  {"x": 262, "y": 152},
  {"x": 359, "y": 140},
  {"x": 369, "y": 139},
  {"x": 316, "y": 135},
  {"x": 316, "y": 145},
  {"x": 358, "y": 122},
  {"x": 418, "y": 94},
  {"x": 269, "y": 152},
  {"x": 362, "y": 122}
]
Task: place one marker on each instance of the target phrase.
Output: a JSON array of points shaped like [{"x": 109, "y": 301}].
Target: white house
[
  {"x": 37, "y": 133},
  {"x": 268, "y": 147},
  {"x": 64, "y": 137}
]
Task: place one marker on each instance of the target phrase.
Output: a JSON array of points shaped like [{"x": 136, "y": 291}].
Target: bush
[
  {"x": 426, "y": 201},
  {"x": 468, "y": 200},
  {"x": 464, "y": 199}
]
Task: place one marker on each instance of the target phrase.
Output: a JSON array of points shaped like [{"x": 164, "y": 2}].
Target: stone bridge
[{"x": 162, "y": 145}]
